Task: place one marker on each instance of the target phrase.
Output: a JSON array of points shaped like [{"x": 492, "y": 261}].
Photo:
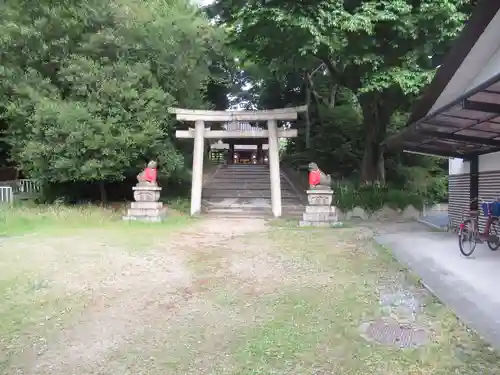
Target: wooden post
[
  {"x": 231, "y": 154},
  {"x": 274, "y": 168},
  {"x": 197, "y": 181}
]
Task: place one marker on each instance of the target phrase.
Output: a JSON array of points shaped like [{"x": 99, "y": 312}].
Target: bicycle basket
[
  {"x": 485, "y": 208},
  {"x": 495, "y": 208}
]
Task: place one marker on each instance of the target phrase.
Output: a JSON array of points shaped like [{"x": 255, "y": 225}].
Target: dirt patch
[
  {"x": 257, "y": 262},
  {"x": 128, "y": 293}
]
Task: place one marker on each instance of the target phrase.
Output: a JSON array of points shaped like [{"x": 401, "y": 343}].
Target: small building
[
  {"x": 250, "y": 151},
  {"x": 459, "y": 114}
]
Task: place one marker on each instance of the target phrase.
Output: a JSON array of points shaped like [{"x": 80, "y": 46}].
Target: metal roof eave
[{"x": 399, "y": 138}]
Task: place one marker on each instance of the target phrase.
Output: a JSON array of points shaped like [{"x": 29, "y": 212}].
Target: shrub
[{"x": 373, "y": 197}]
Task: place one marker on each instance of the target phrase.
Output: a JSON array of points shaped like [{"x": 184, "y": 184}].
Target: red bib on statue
[
  {"x": 314, "y": 178},
  {"x": 150, "y": 175}
]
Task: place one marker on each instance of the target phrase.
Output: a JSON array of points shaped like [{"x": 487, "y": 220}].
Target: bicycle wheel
[
  {"x": 467, "y": 237},
  {"x": 495, "y": 231}
]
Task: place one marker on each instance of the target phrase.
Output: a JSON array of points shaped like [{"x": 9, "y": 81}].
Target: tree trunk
[
  {"x": 308, "y": 120},
  {"x": 333, "y": 96},
  {"x": 103, "y": 193},
  {"x": 375, "y": 121}
]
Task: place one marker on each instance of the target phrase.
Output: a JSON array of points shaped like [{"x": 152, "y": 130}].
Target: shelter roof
[
  {"x": 459, "y": 114},
  {"x": 469, "y": 125}
]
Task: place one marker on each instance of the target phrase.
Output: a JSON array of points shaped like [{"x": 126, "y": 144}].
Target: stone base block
[
  {"x": 146, "y": 193},
  {"x": 321, "y": 210},
  {"x": 146, "y": 211},
  {"x": 319, "y": 197},
  {"x": 152, "y": 219},
  {"x": 319, "y": 216},
  {"x": 320, "y": 224},
  {"x": 147, "y": 205},
  {"x": 320, "y": 213}
]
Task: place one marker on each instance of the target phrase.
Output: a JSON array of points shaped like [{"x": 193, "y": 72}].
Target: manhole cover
[{"x": 390, "y": 332}]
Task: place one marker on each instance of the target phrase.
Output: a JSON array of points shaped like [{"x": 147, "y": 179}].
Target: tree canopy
[
  {"x": 86, "y": 84},
  {"x": 383, "y": 52}
]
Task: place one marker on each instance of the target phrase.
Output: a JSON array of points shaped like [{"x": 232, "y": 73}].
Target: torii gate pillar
[
  {"x": 197, "y": 179},
  {"x": 274, "y": 168}
]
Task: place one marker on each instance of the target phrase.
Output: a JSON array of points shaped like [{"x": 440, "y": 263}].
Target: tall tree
[
  {"x": 381, "y": 50},
  {"x": 85, "y": 85}
]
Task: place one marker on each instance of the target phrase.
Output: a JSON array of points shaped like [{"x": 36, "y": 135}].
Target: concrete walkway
[
  {"x": 438, "y": 219},
  {"x": 469, "y": 286}
]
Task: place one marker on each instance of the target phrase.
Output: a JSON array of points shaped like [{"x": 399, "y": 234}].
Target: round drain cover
[{"x": 390, "y": 332}]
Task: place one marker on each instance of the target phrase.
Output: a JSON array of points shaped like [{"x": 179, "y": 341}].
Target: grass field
[
  {"x": 30, "y": 218},
  {"x": 83, "y": 292}
]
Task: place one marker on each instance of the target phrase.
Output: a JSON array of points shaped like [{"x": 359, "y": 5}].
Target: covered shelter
[{"x": 459, "y": 114}]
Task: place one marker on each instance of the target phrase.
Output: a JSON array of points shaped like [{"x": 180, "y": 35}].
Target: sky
[
  {"x": 246, "y": 87},
  {"x": 205, "y": 2}
]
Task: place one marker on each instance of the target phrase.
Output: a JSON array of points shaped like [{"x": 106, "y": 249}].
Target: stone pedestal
[
  {"x": 146, "y": 206},
  {"x": 319, "y": 211}
]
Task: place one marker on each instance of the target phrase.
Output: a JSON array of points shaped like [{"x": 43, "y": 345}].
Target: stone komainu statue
[
  {"x": 148, "y": 176},
  {"x": 317, "y": 179}
]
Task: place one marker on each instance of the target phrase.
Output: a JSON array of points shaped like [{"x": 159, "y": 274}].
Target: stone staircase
[{"x": 245, "y": 190}]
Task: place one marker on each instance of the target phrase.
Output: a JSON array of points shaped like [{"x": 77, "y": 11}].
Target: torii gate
[{"x": 273, "y": 133}]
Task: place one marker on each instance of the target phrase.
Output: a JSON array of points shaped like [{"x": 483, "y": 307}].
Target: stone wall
[{"x": 385, "y": 213}]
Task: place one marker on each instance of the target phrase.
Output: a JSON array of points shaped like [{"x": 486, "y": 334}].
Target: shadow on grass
[{"x": 26, "y": 218}]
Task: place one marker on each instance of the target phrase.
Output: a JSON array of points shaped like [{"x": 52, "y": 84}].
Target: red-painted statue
[
  {"x": 148, "y": 176},
  {"x": 317, "y": 179},
  {"x": 314, "y": 177}
]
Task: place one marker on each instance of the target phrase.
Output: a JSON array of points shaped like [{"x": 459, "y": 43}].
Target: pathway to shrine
[{"x": 244, "y": 190}]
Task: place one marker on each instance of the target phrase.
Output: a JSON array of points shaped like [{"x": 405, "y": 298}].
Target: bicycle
[{"x": 469, "y": 228}]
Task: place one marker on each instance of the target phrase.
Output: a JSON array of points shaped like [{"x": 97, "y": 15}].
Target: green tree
[
  {"x": 379, "y": 50},
  {"x": 85, "y": 85}
]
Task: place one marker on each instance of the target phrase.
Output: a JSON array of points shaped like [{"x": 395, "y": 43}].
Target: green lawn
[
  {"x": 211, "y": 297},
  {"x": 29, "y": 218}
]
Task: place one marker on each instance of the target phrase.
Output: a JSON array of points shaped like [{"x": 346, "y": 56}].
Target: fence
[
  {"x": 29, "y": 187},
  {"x": 18, "y": 189},
  {"x": 6, "y": 194}
]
